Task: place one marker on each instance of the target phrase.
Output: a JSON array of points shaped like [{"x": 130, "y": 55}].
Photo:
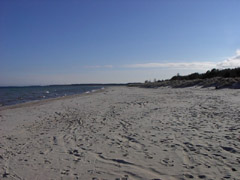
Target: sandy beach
[{"x": 124, "y": 133}]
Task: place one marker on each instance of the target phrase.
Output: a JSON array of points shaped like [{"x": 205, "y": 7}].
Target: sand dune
[{"x": 124, "y": 133}]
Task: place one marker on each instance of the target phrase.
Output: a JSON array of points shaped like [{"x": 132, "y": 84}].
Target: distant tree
[
  {"x": 225, "y": 73},
  {"x": 193, "y": 76}
]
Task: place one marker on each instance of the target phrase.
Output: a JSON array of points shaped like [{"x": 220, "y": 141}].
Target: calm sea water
[{"x": 16, "y": 95}]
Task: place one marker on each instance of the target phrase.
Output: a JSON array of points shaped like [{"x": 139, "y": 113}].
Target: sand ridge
[{"x": 126, "y": 134}]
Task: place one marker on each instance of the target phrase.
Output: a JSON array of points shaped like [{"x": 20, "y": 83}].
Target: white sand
[{"x": 124, "y": 133}]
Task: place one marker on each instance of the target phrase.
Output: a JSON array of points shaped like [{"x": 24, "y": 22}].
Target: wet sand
[{"x": 124, "y": 133}]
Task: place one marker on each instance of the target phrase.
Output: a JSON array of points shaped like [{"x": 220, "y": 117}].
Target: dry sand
[{"x": 124, "y": 133}]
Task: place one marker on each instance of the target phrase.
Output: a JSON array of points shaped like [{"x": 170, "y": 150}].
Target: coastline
[
  {"x": 43, "y": 101},
  {"x": 124, "y": 133}
]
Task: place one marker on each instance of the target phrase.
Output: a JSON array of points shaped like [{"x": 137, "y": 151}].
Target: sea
[{"x": 17, "y": 95}]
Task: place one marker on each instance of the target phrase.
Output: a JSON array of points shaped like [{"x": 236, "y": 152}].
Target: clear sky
[{"x": 103, "y": 41}]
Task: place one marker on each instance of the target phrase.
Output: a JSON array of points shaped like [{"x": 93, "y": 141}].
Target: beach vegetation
[{"x": 224, "y": 73}]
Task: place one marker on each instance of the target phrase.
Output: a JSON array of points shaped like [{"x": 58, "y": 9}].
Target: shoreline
[{"x": 43, "y": 101}]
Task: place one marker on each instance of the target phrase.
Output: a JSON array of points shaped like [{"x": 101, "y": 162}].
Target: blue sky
[{"x": 103, "y": 41}]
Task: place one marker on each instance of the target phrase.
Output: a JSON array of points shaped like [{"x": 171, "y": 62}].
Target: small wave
[{"x": 10, "y": 96}]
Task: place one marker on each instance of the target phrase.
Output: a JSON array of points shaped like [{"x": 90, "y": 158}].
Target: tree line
[{"x": 224, "y": 73}]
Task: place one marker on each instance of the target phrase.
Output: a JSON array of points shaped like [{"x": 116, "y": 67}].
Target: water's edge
[
  {"x": 18, "y": 95},
  {"x": 43, "y": 101}
]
